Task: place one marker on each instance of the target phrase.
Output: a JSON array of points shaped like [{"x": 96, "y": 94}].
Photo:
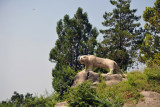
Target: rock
[
  {"x": 112, "y": 79},
  {"x": 95, "y": 78},
  {"x": 80, "y": 78},
  {"x": 62, "y": 104},
  {"x": 151, "y": 99},
  {"x": 151, "y": 94}
]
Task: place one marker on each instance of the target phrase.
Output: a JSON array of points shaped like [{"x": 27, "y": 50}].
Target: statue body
[{"x": 91, "y": 61}]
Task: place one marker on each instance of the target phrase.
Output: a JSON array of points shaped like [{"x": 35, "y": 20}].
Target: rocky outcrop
[
  {"x": 112, "y": 79},
  {"x": 95, "y": 78},
  {"x": 80, "y": 78},
  {"x": 151, "y": 99}
]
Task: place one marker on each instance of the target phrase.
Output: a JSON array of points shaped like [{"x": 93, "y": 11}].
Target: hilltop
[{"x": 140, "y": 88}]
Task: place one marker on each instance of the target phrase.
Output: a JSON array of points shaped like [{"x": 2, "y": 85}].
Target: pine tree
[
  {"x": 150, "y": 48},
  {"x": 120, "y": 36},
  {"x": 75, "y": 37}
]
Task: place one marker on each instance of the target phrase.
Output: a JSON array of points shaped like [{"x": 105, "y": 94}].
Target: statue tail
[{"x": 119, "y": 70}]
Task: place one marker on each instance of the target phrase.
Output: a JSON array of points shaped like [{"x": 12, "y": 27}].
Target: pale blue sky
[{"x": 27, "y": 34}]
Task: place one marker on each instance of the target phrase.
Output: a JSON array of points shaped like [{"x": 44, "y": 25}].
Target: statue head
[{"x": 83, "y": 59}]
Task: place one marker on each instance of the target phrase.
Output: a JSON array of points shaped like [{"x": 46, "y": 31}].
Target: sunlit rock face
[{"x": 110, "y": 79}]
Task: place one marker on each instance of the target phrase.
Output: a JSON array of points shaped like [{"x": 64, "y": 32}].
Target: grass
[{"x": 153, "y": 80}]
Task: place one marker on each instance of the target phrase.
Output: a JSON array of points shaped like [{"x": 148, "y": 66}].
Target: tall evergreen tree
[
  {"x": 120, "y": 36},
  {"x": 76, "y": 37},
  {"x": 150, "y": 48}
]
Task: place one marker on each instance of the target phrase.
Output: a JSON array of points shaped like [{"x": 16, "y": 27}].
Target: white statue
[{"x": 91, "y": 61}]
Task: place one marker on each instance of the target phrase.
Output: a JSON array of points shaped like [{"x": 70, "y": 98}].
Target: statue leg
[
  {"x": 111, "y": 71},
  {"x": 90, "y": 68},
  {"x": 86, "y": 69}
]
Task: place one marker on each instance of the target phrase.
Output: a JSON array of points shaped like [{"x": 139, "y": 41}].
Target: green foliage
[
  {"x": 129, "y": 90},
  {"x": 38, "y": 102},
  {"x": 121, "y": 57},
  {"x": 150, "y": 48},
  {"x": 17, "y": 98},
  {"x": 63, "y": 79},
  {"x": 153, "y": 73},
  {"x": 155, "y": 61},
  {"x": 85, "y": 96},
  {"x": 7, "y": 104},
  {"x": 121, "y": 38},
  {"x": 118, "y": 94},
  {"x": 151, "y": 15},
  {"x": 137, "y": 79},
  {"x": 29, "y": 101},
  {"x": 149, "y": 51},
  {"x": 42, "y": 101},
  {"x": 76, "y": 37},
  {"x": 109, "y": 94},
  {"x": 114, "y": 96}
]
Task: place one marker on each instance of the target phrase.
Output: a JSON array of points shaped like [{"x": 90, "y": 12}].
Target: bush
[
  {"x": 85, "y": 96},
  {"x": 154, "y": 61},
  {"x": 137, "y": 79},
  {"x": 39, "y": 102},
  {"x": 153, "y": 73},
  {"x": 109, "y": 94},
  {"x": 35, "y": 101},
  {"x": 63, "y": 79},
  {"x": 103, "y": 95}
]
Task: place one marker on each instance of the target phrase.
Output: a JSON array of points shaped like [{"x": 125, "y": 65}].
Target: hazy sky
[{"x": 27, "y": 34}]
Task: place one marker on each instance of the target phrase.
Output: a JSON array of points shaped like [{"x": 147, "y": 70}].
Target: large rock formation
[{"x": 95, "y": 78}]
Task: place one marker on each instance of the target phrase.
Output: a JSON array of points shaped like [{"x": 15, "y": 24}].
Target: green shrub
[
  {"x": 154, "y": 61},
  {"x": 63, "y": 79},
  {"x": 30, "y": 101},
  {"x": 153, "y": 73},
  {"x": 41, "y": 101},
  {"x": 137, "y": 79},
  {"x": 110, "y": 93},
  {"x": 85, "y": 96}
]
